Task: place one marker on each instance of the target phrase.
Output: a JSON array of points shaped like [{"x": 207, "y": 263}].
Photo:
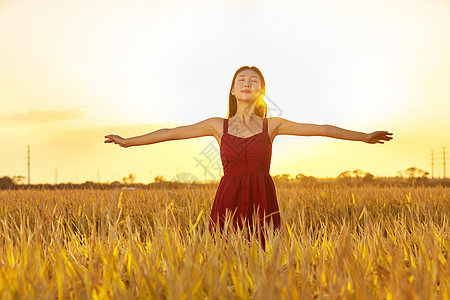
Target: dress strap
[
  {"x": 225, "y": 126},
  {"x": 265, "y": 125}
]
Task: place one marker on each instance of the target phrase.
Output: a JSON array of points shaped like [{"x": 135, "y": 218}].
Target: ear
[{"x": 232, "y": 91}]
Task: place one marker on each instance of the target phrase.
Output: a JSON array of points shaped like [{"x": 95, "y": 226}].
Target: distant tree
[
  {"x": 6, "y": 182},
  {"x": 18, "y": 179},
  {"x": 358, "y": 173},
  {"x": 414, "y": 172},
  {"x": 355, "y": 176},
  {"x": 345, "y": 175},
  {"x": 311, "y": 178},
  {"x": 88, "y": 184},
  {"x": 282, "y": 178},
  {"x": 286, "y": 177},
  {"x": 159, "y": 179},
  {"x": 368, "y": 177},
  {"x": 300, "y": 177},
  {"x": 304, "y": 179},
  {"x": 130, "y": 179}
]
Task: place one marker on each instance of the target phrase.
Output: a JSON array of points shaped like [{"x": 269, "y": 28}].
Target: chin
[{"x": 246, "y": 99}]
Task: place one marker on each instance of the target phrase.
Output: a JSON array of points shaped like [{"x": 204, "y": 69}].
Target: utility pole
[
  {"x": 98, "y": 175},
  {"x": 56, "y": 175},
  {"x": 29, "y": 165}
]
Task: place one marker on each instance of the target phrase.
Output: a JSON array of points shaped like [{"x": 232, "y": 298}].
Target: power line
[{"x": 438, "y": 162}]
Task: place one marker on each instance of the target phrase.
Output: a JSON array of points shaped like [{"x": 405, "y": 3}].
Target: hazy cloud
[{"x": 46, "y": 116}]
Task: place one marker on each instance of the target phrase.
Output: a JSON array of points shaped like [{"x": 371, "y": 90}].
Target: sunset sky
[{"x": 73, "y": 71}]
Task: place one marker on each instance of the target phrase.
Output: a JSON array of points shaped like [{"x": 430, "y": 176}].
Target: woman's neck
[{"x": 245, "y": 112}]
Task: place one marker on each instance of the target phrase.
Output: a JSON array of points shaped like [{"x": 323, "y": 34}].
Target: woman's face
[{"x": 247, "y": 86}]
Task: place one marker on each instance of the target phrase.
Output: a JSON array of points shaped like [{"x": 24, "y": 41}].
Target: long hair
[{"x": 261, "y": 106}]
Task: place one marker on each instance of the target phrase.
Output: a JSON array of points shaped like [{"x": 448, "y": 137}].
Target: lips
[{"x": 247, "y": 91}]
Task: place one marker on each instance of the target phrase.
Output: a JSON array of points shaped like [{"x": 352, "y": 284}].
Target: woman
[{"x": 246, "y": 192}]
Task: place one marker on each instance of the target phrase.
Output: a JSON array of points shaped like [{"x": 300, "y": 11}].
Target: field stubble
[{"x": 335, "y": 242}]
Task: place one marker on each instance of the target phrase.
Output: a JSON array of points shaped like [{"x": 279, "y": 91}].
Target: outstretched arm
[
  {"x": 203, "y": 128},
  {"x": 286, "y": 127}
]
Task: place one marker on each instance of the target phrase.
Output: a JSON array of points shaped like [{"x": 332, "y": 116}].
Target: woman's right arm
[{"x": 204, "y": 128}]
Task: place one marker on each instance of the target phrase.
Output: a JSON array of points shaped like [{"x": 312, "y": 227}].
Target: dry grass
[{"x": 336, "y": 242}]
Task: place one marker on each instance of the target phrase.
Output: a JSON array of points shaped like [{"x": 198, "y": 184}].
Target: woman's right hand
[{"x": 112, "y": 138}]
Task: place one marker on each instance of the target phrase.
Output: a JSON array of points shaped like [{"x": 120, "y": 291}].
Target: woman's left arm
[{"x": 286, "y": 127}]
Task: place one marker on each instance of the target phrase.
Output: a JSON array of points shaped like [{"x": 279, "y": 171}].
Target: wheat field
[{"x": 336, "y": 242}]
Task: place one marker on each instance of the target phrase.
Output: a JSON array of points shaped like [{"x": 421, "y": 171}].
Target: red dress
[{"x": 246, "y": 186}]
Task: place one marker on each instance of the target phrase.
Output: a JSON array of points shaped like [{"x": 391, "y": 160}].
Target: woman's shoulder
[
  {"x": 275, "y": 120},
  {"x": 274, "y": 123},
  {"x": 214, "y": 120},
  {"x": 216, "y": 123}
]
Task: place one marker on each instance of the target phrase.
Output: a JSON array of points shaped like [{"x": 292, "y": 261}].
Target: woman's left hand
[{"x": 378, "y": 137}]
